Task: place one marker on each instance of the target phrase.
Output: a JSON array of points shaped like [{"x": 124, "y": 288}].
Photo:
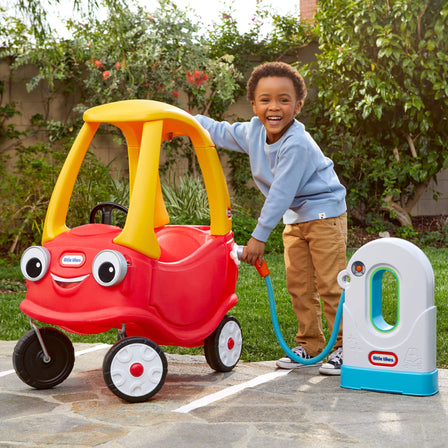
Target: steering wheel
[{"x": 106, "y": 212}]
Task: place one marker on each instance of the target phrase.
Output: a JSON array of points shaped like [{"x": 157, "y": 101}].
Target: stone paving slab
[{"x": 300, "y": 409}]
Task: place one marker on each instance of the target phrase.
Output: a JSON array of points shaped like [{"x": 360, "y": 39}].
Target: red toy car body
[
  {"x": 178, "y": 299},
  {"x": 154, "y": 282}
]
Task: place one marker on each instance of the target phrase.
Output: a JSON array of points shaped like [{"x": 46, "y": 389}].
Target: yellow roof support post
[
  {"x": 138, "y": 232},
  {"x": 55, "y": 220},
  {"x": 217, "y": 193},
  {"x": 214, "y": 179}
]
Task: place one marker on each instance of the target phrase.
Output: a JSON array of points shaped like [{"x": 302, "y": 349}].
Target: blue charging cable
[
  {"x": 263, "y": 270},
  {"x": 279, "y": 335}
]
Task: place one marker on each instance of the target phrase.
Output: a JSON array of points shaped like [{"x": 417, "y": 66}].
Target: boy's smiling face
[{"x": 276, "y": 105}]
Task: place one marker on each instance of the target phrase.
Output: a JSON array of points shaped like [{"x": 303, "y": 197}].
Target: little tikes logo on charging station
[{"x": 385, "y": 359}]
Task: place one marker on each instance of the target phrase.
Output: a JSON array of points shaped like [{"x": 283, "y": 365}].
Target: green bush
[
  {"x": 26, "y": 189},
  {"x": 186, "y": 201},
  {"x": 380, "y": 95},
  {"x": 436, "y": 238},
  {"x": 243, "y": 225}
]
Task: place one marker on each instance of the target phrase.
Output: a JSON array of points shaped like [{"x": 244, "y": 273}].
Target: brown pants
[{"x": 315, "y": 253}]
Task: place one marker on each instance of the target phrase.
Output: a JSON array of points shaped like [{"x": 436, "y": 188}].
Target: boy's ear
[
  {"x": 253, "y": 107},
  {"x": 298, "y": 107}
]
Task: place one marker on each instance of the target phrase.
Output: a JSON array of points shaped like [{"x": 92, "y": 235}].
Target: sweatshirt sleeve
[
  {"x": 292, "y": 171},
  {"x": 225, "y": 135}
]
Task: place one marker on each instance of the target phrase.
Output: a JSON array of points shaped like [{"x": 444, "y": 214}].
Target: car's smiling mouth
[{"x": 67, "y": 283}]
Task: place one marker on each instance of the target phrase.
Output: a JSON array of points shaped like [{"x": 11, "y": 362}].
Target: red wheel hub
[
  {"x": 136, "y": 369},
  {"x": 230, "y": 343}
]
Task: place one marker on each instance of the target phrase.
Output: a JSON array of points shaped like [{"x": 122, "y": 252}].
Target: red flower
[
  {"x": 106, "y": 74},
  {"x": 117, "y": 65},
  {"x": 197, "y": 77},
  {"x": 175, "y": 93},
  {"x": 98, "y": 63}
]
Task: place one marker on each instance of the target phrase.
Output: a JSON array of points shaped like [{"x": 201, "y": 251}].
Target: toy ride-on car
[{"x": 157, "y": 284}]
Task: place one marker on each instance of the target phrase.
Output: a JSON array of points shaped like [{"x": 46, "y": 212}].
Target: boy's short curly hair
[{"x": 280, "y": 69}]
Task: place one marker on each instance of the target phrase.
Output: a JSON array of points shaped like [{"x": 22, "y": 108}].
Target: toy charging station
[{"x": 397, "y": 357}]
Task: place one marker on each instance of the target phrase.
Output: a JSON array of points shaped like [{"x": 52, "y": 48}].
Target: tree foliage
[
  {"x": 377, "y": 102},
  {"x": 382, "y": 97},
  {"x": 35, "y": 12},
  {"x": 132, "y": 54}
]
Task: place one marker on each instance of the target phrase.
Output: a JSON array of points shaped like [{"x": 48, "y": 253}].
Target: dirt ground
[{"x": 428, "y": 223}]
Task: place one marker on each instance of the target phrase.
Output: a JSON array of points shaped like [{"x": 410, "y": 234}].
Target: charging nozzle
[
  {"x": 263, "y": 270},
  {"x": 239, "y": 251}
]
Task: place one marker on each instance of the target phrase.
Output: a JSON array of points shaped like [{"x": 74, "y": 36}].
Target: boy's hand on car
[{"x": 254, "y": 252}]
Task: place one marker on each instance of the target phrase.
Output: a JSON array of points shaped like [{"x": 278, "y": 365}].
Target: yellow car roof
[{"x": 145, "y": 124}]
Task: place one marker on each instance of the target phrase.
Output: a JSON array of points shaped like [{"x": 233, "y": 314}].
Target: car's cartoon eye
[
  {"x": 109, "y": 267},
  {"x": 35, "y": 262}
]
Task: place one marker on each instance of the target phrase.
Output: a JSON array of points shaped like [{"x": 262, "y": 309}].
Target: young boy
[{"x": 300, "y": 185}]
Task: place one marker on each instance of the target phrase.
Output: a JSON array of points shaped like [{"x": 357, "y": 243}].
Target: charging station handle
[{"x": 263, "y": 270}]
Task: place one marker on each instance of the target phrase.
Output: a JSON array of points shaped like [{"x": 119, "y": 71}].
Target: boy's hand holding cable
[{"x": 254, "y": 252}]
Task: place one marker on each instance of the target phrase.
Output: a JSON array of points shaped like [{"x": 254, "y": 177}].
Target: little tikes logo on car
[
  {"x": 72, "y": 260},
  {"x": 385, "y": 359}
]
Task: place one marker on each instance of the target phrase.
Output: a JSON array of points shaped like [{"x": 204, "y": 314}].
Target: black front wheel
[{"x": 30, "y": 363}]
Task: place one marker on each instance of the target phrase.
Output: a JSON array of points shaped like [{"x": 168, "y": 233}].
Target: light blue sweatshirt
[{"x": 298, "y": 181}]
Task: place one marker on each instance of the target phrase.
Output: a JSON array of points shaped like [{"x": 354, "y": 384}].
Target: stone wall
[
  {"x": 37, "y": 102},
  {"x": 307, "y": 9}
]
